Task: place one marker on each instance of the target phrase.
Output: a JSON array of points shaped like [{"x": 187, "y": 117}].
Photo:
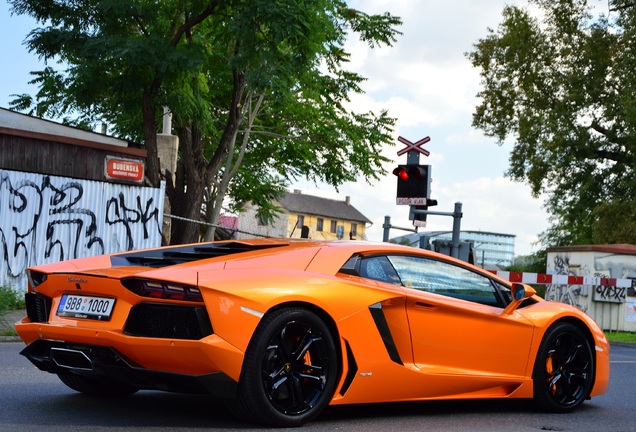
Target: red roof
[
  {"x": 229, "y": 222},
  {"x": 622, "y": 249}
]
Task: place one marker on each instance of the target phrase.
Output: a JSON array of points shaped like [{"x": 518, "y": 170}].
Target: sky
[{"x": 429, "y": 86}]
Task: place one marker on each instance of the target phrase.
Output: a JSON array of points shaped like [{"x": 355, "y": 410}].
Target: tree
[
  {"x": 257, "y": 90},
  {"x": 561, "y": 85}
]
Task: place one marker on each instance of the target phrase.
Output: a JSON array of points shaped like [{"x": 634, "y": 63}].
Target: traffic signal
[
  {"x": 413, "y": 186},
  {"x": 419, "y": 219}
]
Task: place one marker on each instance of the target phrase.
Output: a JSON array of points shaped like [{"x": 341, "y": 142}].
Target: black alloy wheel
[
  {"x": 564, "y": 371},
  {"x": 290, "y": 369}
]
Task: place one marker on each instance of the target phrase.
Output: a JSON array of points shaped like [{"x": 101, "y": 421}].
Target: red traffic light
[
  {"x": 413, "y": 185},
  {"x": 401, "y": 173}
]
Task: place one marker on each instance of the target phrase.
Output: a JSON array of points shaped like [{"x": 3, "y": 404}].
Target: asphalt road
[{"x": 32, "y": 400}]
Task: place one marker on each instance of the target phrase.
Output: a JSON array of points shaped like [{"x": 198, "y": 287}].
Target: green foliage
[
  {"x": 9, "y": 332},
  {"x": 615, "y": 222},
  {"x": 535, "y": 263},
  {"x": 404, "y": 241},
  {"x": 561, "y": 85},
  {"x": 10, "y": 299},
  {"x": 258, "y": 89},
  {"x": 625, "y": 337}
]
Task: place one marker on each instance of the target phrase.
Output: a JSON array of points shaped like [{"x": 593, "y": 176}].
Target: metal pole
[
  {"x": 457, "y": 220},
  {"x": 387, "y": 227}
]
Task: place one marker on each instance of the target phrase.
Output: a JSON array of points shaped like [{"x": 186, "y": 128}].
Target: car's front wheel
[
  {"x": 564, "y": 369},
  {"x": 97, "y": 386},
  {"x": 290, "y": 369}
]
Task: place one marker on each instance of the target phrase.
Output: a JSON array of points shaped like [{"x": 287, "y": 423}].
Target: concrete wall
[
  {"x": 611, "y": 307},
  {"x": 249, "y": 226}
]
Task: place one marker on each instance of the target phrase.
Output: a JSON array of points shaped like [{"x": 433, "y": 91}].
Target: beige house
[{"x": 307, "y": 216}]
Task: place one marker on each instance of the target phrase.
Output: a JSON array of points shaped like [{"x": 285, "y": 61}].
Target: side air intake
[{"x": 37, "y": 307}]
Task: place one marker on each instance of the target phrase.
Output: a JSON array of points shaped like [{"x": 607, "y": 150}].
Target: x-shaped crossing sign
[{"x": 414, "y": 146}]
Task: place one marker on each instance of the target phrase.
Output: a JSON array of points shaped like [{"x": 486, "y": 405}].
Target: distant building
[
  {"x": 490, "y": 249},
  {"x": 307, "y": 216}
]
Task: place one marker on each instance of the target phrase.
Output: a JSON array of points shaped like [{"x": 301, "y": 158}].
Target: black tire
[
  {"x": 289, "y": 371},
  {"x": 96, "y": 386},
  {"x": 564, "y": 371}
]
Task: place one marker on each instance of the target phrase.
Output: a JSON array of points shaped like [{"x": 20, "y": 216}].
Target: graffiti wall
[
  {"x": 46, "y": 219},
  {"x": 611, "y": 307}
]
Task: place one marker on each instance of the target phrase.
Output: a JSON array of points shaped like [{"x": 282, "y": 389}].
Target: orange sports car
[{"x": 281, "y": 328}]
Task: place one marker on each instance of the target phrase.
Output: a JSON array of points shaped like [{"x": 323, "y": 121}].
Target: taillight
[
  {"x": 163, "y": 290},
  {"x": 35, "y": 278}
]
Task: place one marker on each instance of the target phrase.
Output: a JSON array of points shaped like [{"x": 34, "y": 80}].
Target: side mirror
[{"x": 519, "y": 292}]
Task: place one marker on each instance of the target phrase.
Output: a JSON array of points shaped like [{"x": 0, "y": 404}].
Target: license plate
[{"x": 79, "y": 306}]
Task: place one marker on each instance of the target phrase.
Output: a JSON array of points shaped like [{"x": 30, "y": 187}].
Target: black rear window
[{"x": 168, "y": 256}]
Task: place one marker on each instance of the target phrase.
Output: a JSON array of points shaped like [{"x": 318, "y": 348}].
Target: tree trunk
[
  {"x": 192, "y": 179},
  {"x": 149, "y": 110}
]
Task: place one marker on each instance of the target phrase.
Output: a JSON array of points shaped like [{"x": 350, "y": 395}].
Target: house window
[
  {"x": 354, "y": 230},
  {"x": 319, "y": 223},
  {"x": 261, "y": 220},
  {"x": 334, "y": 226},
  {"x": 301, "y": 221}
]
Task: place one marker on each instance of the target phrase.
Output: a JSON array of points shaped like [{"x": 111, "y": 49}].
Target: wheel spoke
[
  {"x": 287, "y": 343},
  {"x": 312, "y": 372},
  {"x": 297, "y": 394},
  {"x": 575, "y": 349},
  {"x": 303, "y": 346}
]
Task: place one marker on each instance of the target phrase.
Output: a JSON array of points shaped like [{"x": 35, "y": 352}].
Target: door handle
[{"x": 424, "y": 305}]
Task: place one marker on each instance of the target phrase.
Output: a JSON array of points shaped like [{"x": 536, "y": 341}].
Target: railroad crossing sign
[{"x": 416, "y": 146}]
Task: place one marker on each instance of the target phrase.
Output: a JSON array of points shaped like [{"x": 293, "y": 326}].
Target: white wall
[
  {"x": 46, "y": 219},
  {"x": 249, "y": 228},
  {"x": 611, "y": 307}
]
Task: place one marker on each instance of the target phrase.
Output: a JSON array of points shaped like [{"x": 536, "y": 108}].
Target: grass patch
[
  {"x": 10, "y": 332},
  {"x": 629, "y": 337},
  {"x": 10, "y": 299}
]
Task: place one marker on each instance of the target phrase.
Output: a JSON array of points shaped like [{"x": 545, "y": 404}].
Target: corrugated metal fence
[{"x": 46, "y": 219}]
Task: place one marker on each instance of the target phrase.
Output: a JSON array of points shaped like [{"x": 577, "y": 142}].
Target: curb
[{"x": 623, "y": 344}]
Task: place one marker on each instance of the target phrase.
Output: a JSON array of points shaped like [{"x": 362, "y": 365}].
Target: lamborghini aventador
[{"x": 280, "y": 328}]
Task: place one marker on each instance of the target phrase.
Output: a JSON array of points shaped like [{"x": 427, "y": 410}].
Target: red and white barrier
[{"x": 548, "y": 279}]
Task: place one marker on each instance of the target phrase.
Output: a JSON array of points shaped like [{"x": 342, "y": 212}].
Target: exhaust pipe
[{"x": 71, "y": 359}]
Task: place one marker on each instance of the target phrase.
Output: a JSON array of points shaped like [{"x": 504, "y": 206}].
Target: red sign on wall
[{"x": 124, "y": 169}]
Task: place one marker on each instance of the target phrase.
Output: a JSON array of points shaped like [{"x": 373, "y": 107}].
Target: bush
[{"x": 10, "y": 299}]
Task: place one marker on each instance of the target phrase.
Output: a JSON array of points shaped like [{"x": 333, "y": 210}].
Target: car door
[{"x": 456, "y": 322}]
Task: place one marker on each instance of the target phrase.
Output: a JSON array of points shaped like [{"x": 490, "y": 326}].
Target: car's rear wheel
[
  {"x": 290, "y": 369},
  {"x": 96, "y": 386},
  {"x": 564, "y": 369}
]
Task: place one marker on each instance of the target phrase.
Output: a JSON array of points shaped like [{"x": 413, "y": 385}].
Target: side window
[
  {"x": 505, "y": 292},
  {"x": 445, "y": 279},
  {"x": 379, "y": 268}
]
